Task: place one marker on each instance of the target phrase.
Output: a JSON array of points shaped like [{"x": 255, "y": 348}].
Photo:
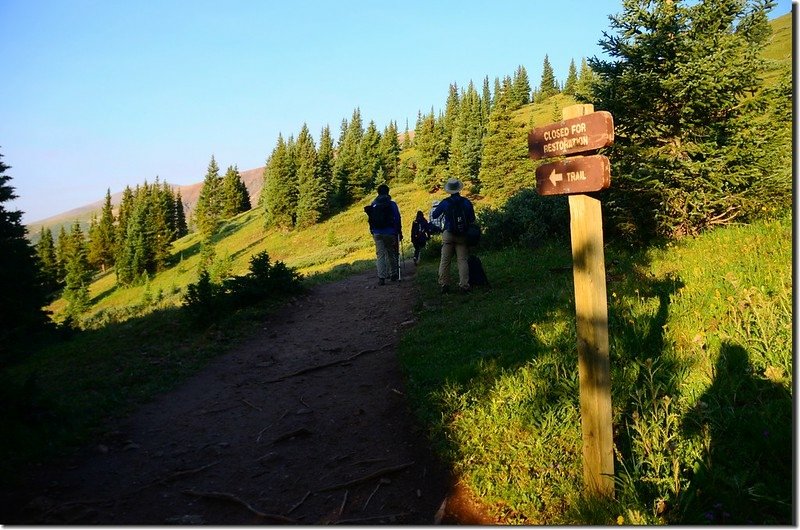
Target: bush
[
  {"x": 205, "y": 300},
  {"x": 526, "y": 219}
]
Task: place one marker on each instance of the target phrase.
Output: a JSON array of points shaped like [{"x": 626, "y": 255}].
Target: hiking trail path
[{"x": 304, "y": 422}]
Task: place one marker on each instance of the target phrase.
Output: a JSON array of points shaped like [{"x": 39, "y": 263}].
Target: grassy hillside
[
  {"x": 341, "y": 243},
  {"x": 701, "y": 381}
]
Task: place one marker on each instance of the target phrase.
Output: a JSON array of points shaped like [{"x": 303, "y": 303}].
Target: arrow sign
[
  {"x": 555, "y": 177},
  {"x": 575, "y": 135},
  {"x": 577, "y": 174}
]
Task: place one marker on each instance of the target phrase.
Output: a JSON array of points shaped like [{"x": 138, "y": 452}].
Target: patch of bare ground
[{"x": 306, "y": 422}]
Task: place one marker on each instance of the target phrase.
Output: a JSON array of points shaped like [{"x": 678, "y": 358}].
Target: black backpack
[
  {"x": 457, "y": 211},
  {"x": 380, "y": 213}
]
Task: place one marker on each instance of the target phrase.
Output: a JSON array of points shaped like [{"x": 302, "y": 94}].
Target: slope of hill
[{"x": 252, "y": 179}]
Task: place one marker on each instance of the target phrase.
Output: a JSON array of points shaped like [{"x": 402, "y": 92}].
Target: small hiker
[
  {"x": 458, "y": 215},
  {"x": 420, "y": 234},
  {"x": 386, "y": 229}
]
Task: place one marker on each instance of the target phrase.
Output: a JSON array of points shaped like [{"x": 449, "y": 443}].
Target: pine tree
[
  {"x": 571, "y": 84},
  {"x": 697, "y": 141},
  {"x": 505, "y": 166},
  {"x": 138, "y": 253},
  {"x": 583, "y": 88},
  {"x": 389, "y": 152},
  {"x": 466, "y": 142},
  {"x": 324, "y": 169},
  {"x": 102, "y": 237},
  {"x": 161, "y": 225},
  {"x": 549, "y": 86},
  {"x": 431, "y": 153},
  {"x": 311, "y": 192},
  {"x": 78, "y": 273},
  {"x": 486, "y": 101},
  {"x": 451, "y": 111},
  {"x": 62, "y": 253},
  {"x": 369, "y": 162},
  {"x": 21, "y": 293},
  {"x": 233, "y": 194},
  {"x": 46, "y": 251},
  {"x": 279, "y": 208},
  {"x": 521, "y": 88},
  {"x": 181, "y": 228},
  {"x": 347, "y": 162},
  {"x": 207, "y": 213},
  {"x": 121, "y": 232}
]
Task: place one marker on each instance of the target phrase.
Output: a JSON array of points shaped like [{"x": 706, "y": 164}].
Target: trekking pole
[{"x": 399, "y": 253}]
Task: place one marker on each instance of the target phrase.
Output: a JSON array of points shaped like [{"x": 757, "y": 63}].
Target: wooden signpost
[{"x": 580, "y": 131}]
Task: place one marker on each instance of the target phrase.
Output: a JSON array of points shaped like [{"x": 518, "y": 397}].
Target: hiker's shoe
[
  {"x": 465, "y": 290},
  {"x": 381, "y": 281},
  {"x": 445, "y": 289}
]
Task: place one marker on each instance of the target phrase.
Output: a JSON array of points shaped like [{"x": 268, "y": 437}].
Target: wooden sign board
[
  {"x": 572, "y": 136},
  {"x": 577, "y": 174}
]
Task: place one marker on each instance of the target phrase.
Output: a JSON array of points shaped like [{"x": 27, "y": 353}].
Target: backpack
[
  {"x": 477, "y": 275},
  {"x": 457, "y": 212},
  {"x": 380, "y": 214}
]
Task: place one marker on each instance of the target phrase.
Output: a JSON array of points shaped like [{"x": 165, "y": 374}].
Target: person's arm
[
  {"x": 398, "y": 223},
  {"x": 439, "y": 210}
]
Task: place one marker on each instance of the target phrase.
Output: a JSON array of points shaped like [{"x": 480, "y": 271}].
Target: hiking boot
[
  {"x": 381, "y": 281},
  {"x": 445, "y": 289},
  {"x": 465, "y": 290}
]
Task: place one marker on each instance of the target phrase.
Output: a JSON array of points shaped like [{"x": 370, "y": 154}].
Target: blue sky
[{"x": 104, "y": 94}]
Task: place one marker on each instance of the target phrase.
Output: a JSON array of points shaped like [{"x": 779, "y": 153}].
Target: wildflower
[{"x": 620, "y": 520}]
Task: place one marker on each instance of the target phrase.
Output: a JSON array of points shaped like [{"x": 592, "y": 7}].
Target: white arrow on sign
[{"x": 555, "y": 177}]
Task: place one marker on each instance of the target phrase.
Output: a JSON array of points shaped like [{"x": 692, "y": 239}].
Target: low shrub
[{"x": 526, "y": 219}]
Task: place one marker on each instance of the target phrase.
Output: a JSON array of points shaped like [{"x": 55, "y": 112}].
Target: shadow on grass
[
  {"x": 459, "y": 357},
  {"x": 746, "y": 473}
]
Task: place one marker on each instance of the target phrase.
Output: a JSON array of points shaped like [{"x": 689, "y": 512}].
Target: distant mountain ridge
[{"x": 253, "y": 180}]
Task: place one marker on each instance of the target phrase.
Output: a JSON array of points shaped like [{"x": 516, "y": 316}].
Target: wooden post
[{"x": 591, "y": 309}]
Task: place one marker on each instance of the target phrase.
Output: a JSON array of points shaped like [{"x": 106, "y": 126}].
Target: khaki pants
[
  {"x": 453, "y": 244},
  {"x": 386, "y": 252}
]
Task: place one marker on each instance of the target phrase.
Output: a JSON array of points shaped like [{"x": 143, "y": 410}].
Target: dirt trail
[{"x": 249, "y": 440}]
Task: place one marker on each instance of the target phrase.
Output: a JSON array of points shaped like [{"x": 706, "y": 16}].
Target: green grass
[{"x": 701, "y": 370}]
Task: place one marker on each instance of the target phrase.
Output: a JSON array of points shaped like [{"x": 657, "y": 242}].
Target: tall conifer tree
[
  {"x": 548, "y": 86},
  {"x": 521, "y": 87},
  {"x": 233, "y": 193},
  {"x": 324, "y": 169},
  {"x": 571, "y": 83},
  {"x": 181, "y": 228},
  {"x": 279, "y": 208},
  {"x": 21, "y": 292},
  {"x": 431, "y": 153},
  {"x": 347, "y": 162},
  {"x": 505, "y": 166},
  {"x": 46, "y": 250},
  {"x": 78, "y": 273},
  {"x": 311, "y": 191},
  {"x": 389, "y": 149},
  {"x": 696, "y": 139},
  {"x": 207, "y": 213},
  {"x": 102, "y": 237}
]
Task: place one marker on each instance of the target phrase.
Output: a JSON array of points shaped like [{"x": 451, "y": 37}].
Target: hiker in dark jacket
[
  {"x": 420, "y": 234},
  {"x": 453, "y": 239},
  {"x": 386, "y": 229}
]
